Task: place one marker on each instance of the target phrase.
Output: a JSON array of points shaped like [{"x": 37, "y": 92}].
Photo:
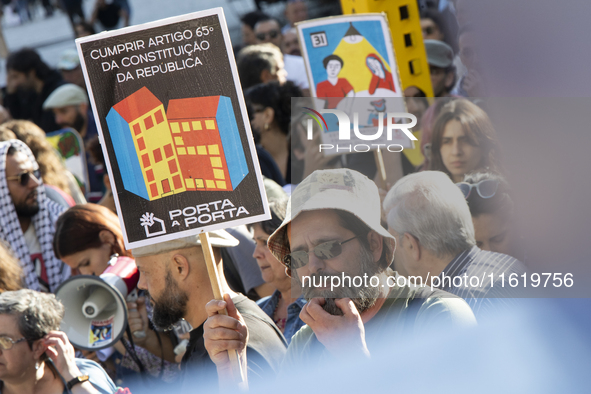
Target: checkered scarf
[{"x": 43, "y": 221}]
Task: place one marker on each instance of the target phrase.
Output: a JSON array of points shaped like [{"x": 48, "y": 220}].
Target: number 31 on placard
[{"x": 319, "y": 39}]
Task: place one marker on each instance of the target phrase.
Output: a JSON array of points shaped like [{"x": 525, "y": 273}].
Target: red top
[{"x": 327, "y": 89}]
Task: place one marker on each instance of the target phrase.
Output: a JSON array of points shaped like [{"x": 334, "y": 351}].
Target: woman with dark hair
[
  {"x": 98, "y": 239},
  {"x": 285, "y": 304},
  {"x": 271, "y": 104},
  {"x": 463, "y": 141},
  {"x": 491, "y": 206},
  {"x": 35, "y": 356}
]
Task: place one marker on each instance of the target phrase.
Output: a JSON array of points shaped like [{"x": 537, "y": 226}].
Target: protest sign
[
  {"x": 351, "y": 68},
  {"x": 173, "y": 127},
  {"x": 69, "y": 144}
]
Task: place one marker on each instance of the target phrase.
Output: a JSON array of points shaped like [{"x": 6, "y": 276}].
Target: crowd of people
[
  {"x": 445, "y": 213},
  {"x": 107, "y": 14}
]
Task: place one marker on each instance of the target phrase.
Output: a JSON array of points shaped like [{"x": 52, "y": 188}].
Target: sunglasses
[
  {"x": 6, "y": 343},
  {"x": 324, "y": 251},
  {"x": 24, "y": 177},
  {"x": 486, "y": 188},
  {"x": 271, "y": 34}
]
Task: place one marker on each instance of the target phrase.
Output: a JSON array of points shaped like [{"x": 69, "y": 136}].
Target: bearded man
[
  {"x": 69, "y": 104},
  {"x": 332, "y": 243},
  {"x": 175, "y": 275},
  {"x": 27, "y": 218}
]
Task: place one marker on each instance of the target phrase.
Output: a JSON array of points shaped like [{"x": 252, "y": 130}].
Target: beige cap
[
  {"x": 342, "y": 189},
  {"x": 65, "y": 95},
  {"x": 217, "y": 238}
]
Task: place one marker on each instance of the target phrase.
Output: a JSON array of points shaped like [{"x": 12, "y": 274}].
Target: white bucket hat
[
  {"x": 342, "y": 189},
  {"x": 217, "y": 238}
]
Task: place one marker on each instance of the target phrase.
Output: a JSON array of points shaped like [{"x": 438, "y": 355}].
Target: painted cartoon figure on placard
[
  {"x": 334, "y": 87},
  {"x": 382, "y": 78}
]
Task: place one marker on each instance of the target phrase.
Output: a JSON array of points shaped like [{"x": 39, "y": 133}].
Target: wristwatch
[{"x": 76, "y": 380}]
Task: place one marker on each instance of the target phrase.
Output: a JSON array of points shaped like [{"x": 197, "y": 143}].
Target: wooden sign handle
[
  {"x": 381, "y": 168},
  {"x": 214, "y": 279}
]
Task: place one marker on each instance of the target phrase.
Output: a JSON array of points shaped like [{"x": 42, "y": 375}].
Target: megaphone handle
[{"x": 217, "y": 294}]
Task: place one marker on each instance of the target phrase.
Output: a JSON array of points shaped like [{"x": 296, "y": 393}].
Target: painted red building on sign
[{"x": 196, "y": 134}]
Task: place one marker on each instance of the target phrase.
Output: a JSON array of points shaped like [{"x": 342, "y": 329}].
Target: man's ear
[
  {"x": 411, "y": 245},
  {"x": 179, "y": 266},
  {"x": 376, "y": 244}
]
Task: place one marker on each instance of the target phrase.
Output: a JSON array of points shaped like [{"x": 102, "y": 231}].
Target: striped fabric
[
  {"x": 491, "y": 290},
  {"x": 44, "y": 223}
]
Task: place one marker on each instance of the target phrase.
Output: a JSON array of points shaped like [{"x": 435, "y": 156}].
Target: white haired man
[
  {"x": 429, "y": 217},
  {"x": 331, "y": 232}
]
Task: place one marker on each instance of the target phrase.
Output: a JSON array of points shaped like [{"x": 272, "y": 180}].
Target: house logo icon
[{"x": 152, "y": 225}]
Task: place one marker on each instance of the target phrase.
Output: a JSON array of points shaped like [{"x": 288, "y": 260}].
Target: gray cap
[
  {"x": 439, "y": 54},
  {"x": 65, "y": 95},
  {"x": 69, "y": 60},
  {"x": 217, "y": 238}
]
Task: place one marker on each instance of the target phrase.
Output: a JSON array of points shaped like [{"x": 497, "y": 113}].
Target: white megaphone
[{"x": 95, "y": 306}]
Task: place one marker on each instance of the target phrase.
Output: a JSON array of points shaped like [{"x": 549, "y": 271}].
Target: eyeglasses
[
  {"x": 24, "y": 177},
  {"x": 324, "y": 251},
  {"x": 6, "y": 343},
  {"x": 486, "y": 188},
  {"x": 271, "y": 34}
]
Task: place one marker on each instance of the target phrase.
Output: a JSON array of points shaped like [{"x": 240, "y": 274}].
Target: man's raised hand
[
  {"x": 222, "y": 333},
  {"x": 339, "y": 334}
]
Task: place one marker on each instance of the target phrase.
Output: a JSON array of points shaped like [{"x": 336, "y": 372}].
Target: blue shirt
[
  {"x": 293, "y": 322},
  {"x": 96, "y": 376}
]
